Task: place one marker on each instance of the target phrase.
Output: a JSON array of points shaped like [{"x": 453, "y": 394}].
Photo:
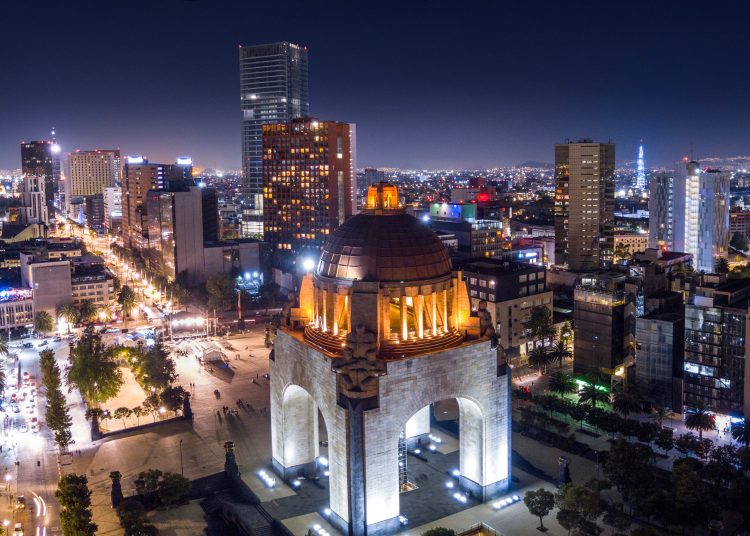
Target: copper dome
[{"x": 388, "y": 248}]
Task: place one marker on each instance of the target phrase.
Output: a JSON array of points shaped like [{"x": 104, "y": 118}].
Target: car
[
  {"x": 57, "y": 338},
  {"x": 23, "y": 428},
  {"x": 28, "y": 345},
  {"x": 43, "y": 343},
  {"x": 18, "y": 530},
  {"x": 20, "y": 503},
  {"x": 15, "y": 408}
]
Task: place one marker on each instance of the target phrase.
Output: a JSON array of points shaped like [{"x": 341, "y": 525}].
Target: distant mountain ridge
[{"x": 536, "y": 164}]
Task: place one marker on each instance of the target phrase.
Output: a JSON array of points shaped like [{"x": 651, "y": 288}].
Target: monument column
[
  {"x": 445, "y": 310},
  {"x": 404, "y": 318},
  {"x": 434, "y": 313},
  {"x": 419, "y": 312}
]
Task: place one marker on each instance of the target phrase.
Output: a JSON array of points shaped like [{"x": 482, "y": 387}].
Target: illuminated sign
[
  {"x": 184, "y": 161},
  {"x": 135, "y": 159},
  {"x": 15, "y": 294}
]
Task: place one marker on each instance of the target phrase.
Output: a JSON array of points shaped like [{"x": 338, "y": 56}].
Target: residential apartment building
[
  {"x": 706, "y": 216},
  {"x": 511, "y": 289},
  {"x": 584, "y": 205}
]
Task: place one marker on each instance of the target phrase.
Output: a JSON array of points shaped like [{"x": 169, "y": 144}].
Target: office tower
[
  {"x": 601, "y": 312},
  {"x": 273, "y": 89},
  {"x": 640, "y": 174},
  {"x": 716, "y": 349},
  {"x": 175, "y": 232},
  {"x": 112, "y": 208},
  {"x": 706, "y": 220},
  {"x": 210, "y": 208},
  {"x": 661, "y": 205},
  {"x": 94, "y": 211},
  {"x": 308, "y": 169},
  {"x": 139, "y": 176},
  {"x": 42, "y": 159},
  {"x": 180, "y": 175},
  {"x": 35, "y": 208},
  {"x": 90, "y": 172},
  {"x": 659, "y": 355},
  {"x": 584, "y": 204},
  {"x": 369, "y": 177}
]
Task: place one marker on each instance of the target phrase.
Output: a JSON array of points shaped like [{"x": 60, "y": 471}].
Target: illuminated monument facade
[{"x": 383, "y": 328}]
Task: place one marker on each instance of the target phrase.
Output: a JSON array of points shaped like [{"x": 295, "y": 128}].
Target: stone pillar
[
  {"x": 445, "y": 310},
  {"x": 419, "y": 312},
  {"x": 404, "y": 318},
  {"x": 324, "y": 296},
  {"x": 116, "y": 494},
  {"x": 434, "y": 313},
  {"x": 315, "y": 317},
  {"x": 356, "y": 457}
]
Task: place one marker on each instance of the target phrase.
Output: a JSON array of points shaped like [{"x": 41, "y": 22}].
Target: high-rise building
[
  {"x": 716, "y": 349},
  {"x": 706, "y": 216},
  {"x": 112, "y": 208},
  {"x": 42, "y": 159},
  {"x": 94, "y": 211},
  {"x": 640, "y": 174},
  {"x": 90, "y": 172},
  {"x": 661, "y": 205},
  {"x": 273, "y": 89},
  {"x": 139, "y": 176},
  {"x": 308, "y": 174},
  {"x": 584, "y": 204},
  {"x": 34, "y": 209}
]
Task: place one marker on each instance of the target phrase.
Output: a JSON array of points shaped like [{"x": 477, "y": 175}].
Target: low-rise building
[
  {"x": 16, "y": 308},
  {"x": 634, "y": 242},
  {"x": 510, "y": 289}
]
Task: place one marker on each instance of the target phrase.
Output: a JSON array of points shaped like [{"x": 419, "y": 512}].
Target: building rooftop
[{"x": 497, "y": 266}]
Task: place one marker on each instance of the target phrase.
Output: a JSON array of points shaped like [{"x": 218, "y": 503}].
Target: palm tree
[
  {"x": 699, "y": 418},
  {"x": 87, "y": 311},
  {"x": 69, "y": 312},
  {"x": 741, "y": 433},
  {"x": 591, "y": 394},
  {"x": 3, "y": 346},
  {"x": 562, "y": 383},
  {"x": 539, "y": 357},
  {"x": 721, "y": 266},
  {"x": 127, "y": 300},
  {"x": 659, "y": 413},
  {"x": 43, "y": 322},
  {"x": 560, "y": 351},
  {"x": 626, "y": 400}
]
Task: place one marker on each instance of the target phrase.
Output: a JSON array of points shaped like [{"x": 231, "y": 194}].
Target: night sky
[{"x": 429, "y": 84}]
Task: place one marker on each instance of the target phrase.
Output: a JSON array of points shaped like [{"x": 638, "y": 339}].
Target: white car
[{"x": 23, "y": 428}]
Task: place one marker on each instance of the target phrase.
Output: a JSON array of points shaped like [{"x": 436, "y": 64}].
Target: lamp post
[{"x": 182, "y": 467}]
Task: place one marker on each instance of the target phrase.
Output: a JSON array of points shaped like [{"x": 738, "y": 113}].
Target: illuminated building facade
[
  {"x": 90, "y": 172},
  {"x": 112, "y": 208},
  {"x": 716, "y": 350},
  {"x": 584, "y": 205},
  {"x": 42, "y": 159},
  {"x": 273, "y": 89},
  {"x": 308, "y": 188},
  {"x": 706, "y": 220},
  {"x": 661, "y": 207},
  {"x": 382, "y": 330},
  {"x": 139, "y": 176},
  {"x": 640, "y": 173},
  {"x": 603, "y": 323}
]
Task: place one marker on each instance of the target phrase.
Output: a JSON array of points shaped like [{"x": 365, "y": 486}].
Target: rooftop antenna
[
  {"x": 692, "y": 153},
  {"x": 53, "y": 133}
]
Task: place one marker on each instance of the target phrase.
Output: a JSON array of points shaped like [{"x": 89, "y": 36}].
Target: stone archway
[{"x": 299, "y": 446}]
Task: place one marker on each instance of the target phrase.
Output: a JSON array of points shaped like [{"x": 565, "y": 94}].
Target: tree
[
  {"x": 539, "y": 357},
  {"x": 741, "y": 433},
  {"x": 626, "y": 400},
  {"x": 220, "y": 289},
  {"x": 172, "y": 398},
  {"x": 151, "y": 405},
  {"x": 153, "y": 368},
  {"x": 560, "y": 351},
  {"x": 68, "y": 312},
  {"x": 593, "y": 394},
  {"x": 566, "y": 333},
  {"x": 686, "y": 443},
  {"x": 659, "y": 413},
  {"x": 567, "y": 519},
  {"x": 540, "y": 503},
  {"x": 721, "y": 266},
  {"x": 439, "y": 531},
  {"x": 173, "y": 488},
  {"x": 692, "y": 501},
  {"x": 126, "y": 299},
  {"x": 665, "y": 440},
  {"x": 74, "y": 497},
  {"x": 268, "y": 293},
  {"x": 93, "y": 371},
  {"x": 87, "y": 311},
  {"x": 139, "y": 412},
  {"x": 583, "y": 505},
  {"x": 122, "y": 413},
  {"x": 562, "y": 383},
  {"x": 43, "y": 322},
  {"x": 148, "y": 481},
  {"x": 3, "y": 346},
  {"x": 622, "y": 252},
  {"x": 739, "y": 241},
  {"x": 699, "y": 418},
  {"x": 539, "y": 324}
]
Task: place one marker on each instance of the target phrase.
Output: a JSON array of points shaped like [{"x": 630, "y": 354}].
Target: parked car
[
  {"x": 20, "y": 503},
  {"x": 28, "y": 345},
  {"x": 57, "y": 338},
  {"x": 18, "y": 530},
  {"x": 43, "y": 343}
]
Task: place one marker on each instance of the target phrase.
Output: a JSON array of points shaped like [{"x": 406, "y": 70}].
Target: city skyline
[{"x": 462, "y": 91}]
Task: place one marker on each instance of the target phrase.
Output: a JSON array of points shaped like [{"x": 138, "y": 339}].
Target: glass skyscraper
[{"x": 273, "y": 89}]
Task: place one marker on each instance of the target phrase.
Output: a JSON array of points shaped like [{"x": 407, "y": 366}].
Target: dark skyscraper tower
[
  {"x": 584, "y": 204},
  {"x": 42, "y": 159},
  {"x": 273, "y": 89}
]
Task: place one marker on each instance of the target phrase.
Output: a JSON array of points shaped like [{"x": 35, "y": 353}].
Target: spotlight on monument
[
  {"x": 456, "y": 473},
  {"x": 296, "y": 483},
  {"x": 432, "y": 448},
  {"x": 417, "y": 451},
  {"x": 326, "y": 512},
  {"x": 322, "y": 460},
  {"x": 460, "y": 497},
  {"x": 308, "y": 265},
  {"x": 449, "y": 484},
  {"x": 403, "y": 520}
]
